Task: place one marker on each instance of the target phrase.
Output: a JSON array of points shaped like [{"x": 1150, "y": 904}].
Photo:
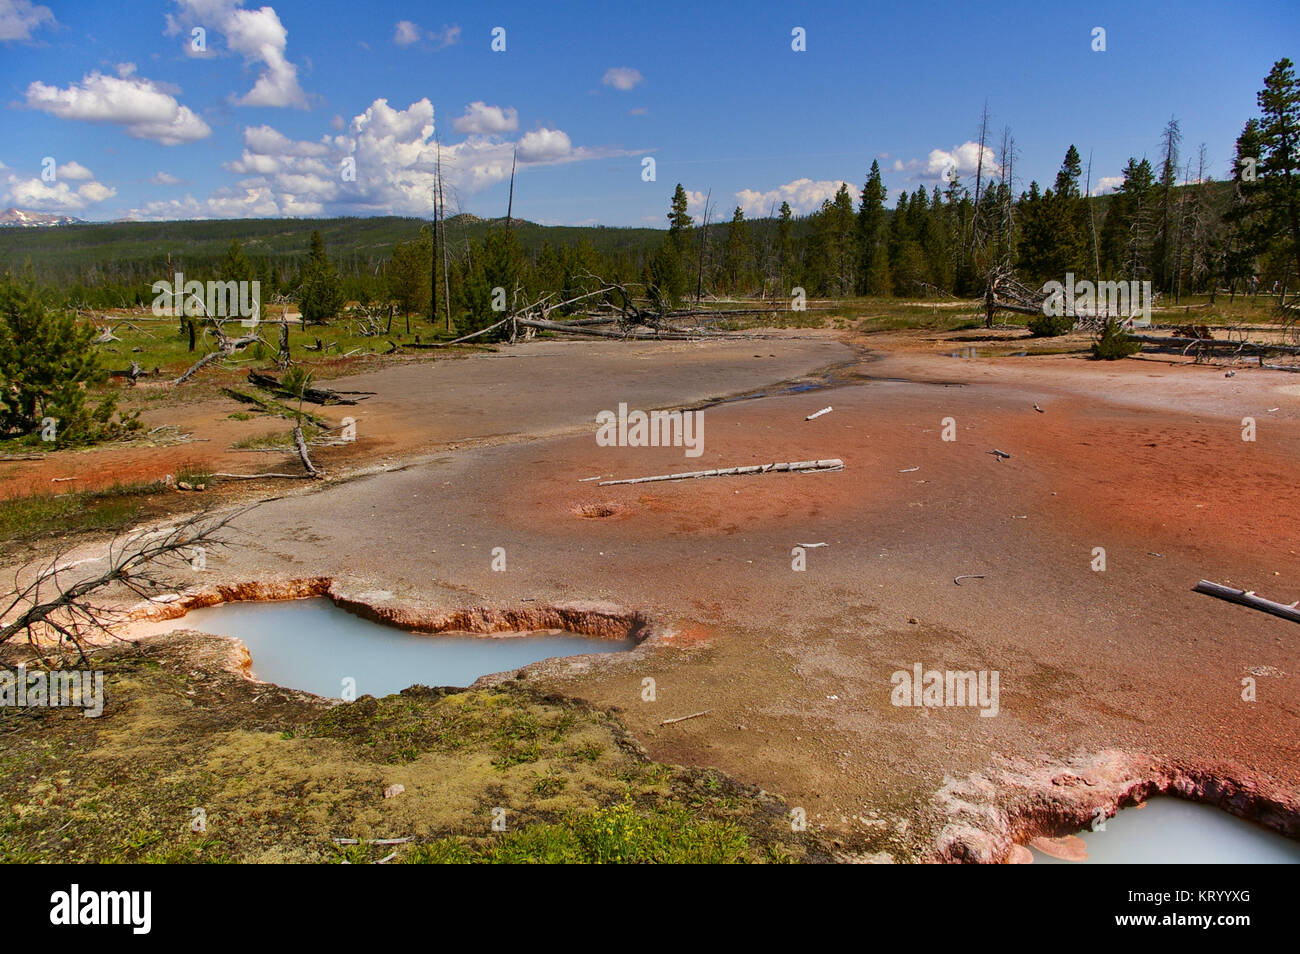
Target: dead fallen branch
[
  {"x": 133, "y": 372},
  {"x": 967, "y": 576},
  {"x": 474, "y": 334},
  {"x": 60, "y": 614},
  {"x": 226, "y": 346},
  {"x": 260, "y": 476},
  {"x": 372, "y": 841},
  {"x": 630, "y": 333},
  {"x": 693, "y": 715},
  {"x": 797, "y": 467},
  {"x": 301, "y": 444},
  {"x": 313, "y": 394},
  {"x": 1248, "y": 598},
  {"x": 1182, "y": 344},
  {"x": 274, "y": 407}
]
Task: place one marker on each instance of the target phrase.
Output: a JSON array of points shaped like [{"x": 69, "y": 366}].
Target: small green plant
[
  {"x": 587, "y": 752},
  {"x": 549, "y": 784},
  {"x": 518, "y": 755},
  {"x": 1114, "y": 343},
  {"x": 297, "y": 381},
  {"x": 194, "y": 474},
  {"x": 352, "y": 854},
  {"x": 1050, "y": 326},
  {"x": 445, "y": 852}
]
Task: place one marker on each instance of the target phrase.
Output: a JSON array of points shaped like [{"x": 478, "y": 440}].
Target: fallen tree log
[
  {"x": 569, "y": 329},
  {"x": 796, "y": 467},
  {"x": 274, "y": 407},
  {"x": 1248, "y": 598},
  {"x": 775, "y": 309},
  {"x": 132, "y": 372},
  {"x": 1000, "y": 305},
  {"x": 611, "y": 319},
  {"x": 228, "y": 347},
  {"x": 316, "y": 395},
  {"x": 709, "y": 313},
  {"x": 473, "y": 334},
  {"x": 1255, "y": 347}
]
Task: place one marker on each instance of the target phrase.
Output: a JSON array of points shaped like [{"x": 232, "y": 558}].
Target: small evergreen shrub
[{"x": 1114, "y": 343}]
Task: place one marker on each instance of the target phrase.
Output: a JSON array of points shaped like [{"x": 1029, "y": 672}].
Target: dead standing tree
[{"x": 1003, "y": 292}]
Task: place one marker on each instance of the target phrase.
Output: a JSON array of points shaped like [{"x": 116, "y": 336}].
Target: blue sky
[{"x": 263, "y": 121}]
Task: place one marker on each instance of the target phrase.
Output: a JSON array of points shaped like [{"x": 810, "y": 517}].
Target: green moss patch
[{"x": 192, "y": 762}]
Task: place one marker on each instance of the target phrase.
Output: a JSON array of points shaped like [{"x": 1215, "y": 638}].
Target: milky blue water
[
  {"x": 313, "y": 645},
  {"x": 1175, "y": 831}
]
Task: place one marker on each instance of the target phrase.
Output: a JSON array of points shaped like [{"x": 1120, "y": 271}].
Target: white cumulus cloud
[
  {"x": 1107, "y": 184},
  {"x": 41, "y": 196},
  {"x": 963, "y": 159},
  {"x": 484, "y": 120},
  {"x": 544, "y": 145},
  {"x": 622, "y": 77},
  {"x": 145, "y": 109},
  {"x": 383, "y": 162},
  {"x": 256, "y": 35},
  {"x": 804, "y": 196},
  {"x": 18, "y": 18},
  {"x": 268, "y": 141},
  {"x": 447, "y": 36},
  {"x": 406, "y": 33},
  {"x": 96, "y": 192},
  {"x": 73, "y": 170}
]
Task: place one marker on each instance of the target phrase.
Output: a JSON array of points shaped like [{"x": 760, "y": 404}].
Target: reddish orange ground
[{"x": 1142, "y": 457}]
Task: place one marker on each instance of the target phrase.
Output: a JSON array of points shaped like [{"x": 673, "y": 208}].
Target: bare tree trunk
[
  {"x": 1092, "y": 223},
  {"x": 510, "y": 203},
  {"x": 301, "y": 444},
  {"x": 282, "y": 360},
  {"x": 704, "y": 229},
  {"x": 979, "y": 176}
]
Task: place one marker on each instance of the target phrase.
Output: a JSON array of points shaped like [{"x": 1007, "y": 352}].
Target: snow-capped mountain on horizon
[{"x": 20, "y": 218}]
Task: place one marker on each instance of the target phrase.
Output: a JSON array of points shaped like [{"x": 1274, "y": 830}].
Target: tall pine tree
[{"x": 870, "y": 228}]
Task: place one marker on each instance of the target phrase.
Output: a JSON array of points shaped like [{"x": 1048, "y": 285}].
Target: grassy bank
[{"x": 191, "y": 762}]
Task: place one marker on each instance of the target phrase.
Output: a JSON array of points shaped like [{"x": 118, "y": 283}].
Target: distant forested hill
[{"x": 133, "y": 252}]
